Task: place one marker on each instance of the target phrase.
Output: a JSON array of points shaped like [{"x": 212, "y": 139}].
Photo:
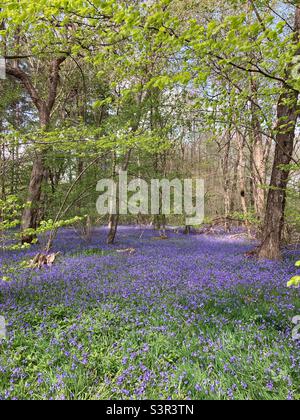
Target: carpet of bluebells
[{"x": 185, "y": 318}]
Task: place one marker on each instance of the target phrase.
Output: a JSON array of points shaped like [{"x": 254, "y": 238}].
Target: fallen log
[
  {"x": 127, "y": 250},
  {"x": 160, "y": 238}
]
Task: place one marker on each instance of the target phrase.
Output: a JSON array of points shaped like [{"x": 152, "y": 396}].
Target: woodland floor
[{"x": 185, "y": 318}]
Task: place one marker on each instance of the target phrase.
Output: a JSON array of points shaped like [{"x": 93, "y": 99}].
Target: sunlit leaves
[{"x": 294, "y": 282}]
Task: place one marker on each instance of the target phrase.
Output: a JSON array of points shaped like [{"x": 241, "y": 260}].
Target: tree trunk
[
  {"x": 241, "y": 174},
  {"x": 226, "y": 178},
  {"x": 157, "y": 222},
  {"x": 44, "y": 108},
  {"x": 187, "y": 230},
  {"x": 3, "y": 166},
  {"x": 258, "y": 162},
  {"x": 287, "y": 114},
  {"x": 234, "y": 186},
  {"x": 259, "y": 173},
  {"x": 42, "y": 214},
  {"x": 274, "y": 219},
  {"x": 114, "y": 218},
  {"x": 30, "y": 214},
  {"x": 113, "y": 227}
]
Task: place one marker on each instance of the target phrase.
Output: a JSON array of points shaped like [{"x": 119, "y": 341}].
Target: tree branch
[
  {"x": 53, "y": 81},
  {"x": 20, "y": 75}
]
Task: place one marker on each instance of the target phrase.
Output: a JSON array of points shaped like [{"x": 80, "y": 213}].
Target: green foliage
[
  {"x": 49, "y": 225},
  {"x": 10, "y": 214},
  {"x": 10, "y": 219},
  {"x": 10, "y": 210},
  {"x": 295, "y": 281},
  {"x": 250, "y": 217}
]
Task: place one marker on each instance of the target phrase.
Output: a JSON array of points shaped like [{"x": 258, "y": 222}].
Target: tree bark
[
  {"x": 30, "y": 214},
  {"x": 241, "y": 174},
  {"x": 226, "y": 178},
  {"x": 187, "y": 230},
  {"x": 114, "y": 218},
  {"x": 258, "y": 162},
  {"x": 234, "y": 185},
  {"x": 113, "y": 227},
  {"x": 274, "y": 219},
  {"x": 287, "y": 115}
]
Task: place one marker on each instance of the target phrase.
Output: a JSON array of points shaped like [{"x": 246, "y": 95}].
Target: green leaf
[{"x": 294, "y": 282}]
